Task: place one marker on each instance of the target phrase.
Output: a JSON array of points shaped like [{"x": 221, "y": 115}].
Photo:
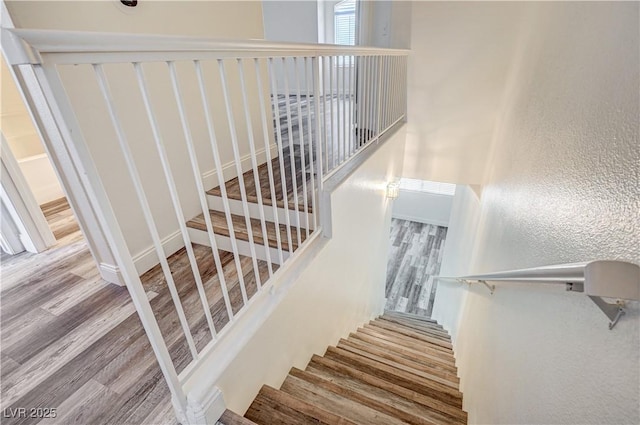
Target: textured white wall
[
  {"x": 562, "y": 186},
  {"x": 341, "y": 289},
  {"x": 456, "y": 259},
  {"x": 460, "y": 58}
]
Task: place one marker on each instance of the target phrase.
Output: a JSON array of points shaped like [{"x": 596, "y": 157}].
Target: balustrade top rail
[{"x": 51, "y": 41}]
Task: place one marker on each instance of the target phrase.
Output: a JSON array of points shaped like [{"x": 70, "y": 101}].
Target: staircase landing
[{"x": 397, "y": 369}]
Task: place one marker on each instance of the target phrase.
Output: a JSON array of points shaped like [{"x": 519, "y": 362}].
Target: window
[
  {"x": 427, "y": 186},
  {"x": 344, "y": 19}
]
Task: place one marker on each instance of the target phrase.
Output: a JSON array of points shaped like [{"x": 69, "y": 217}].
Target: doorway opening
[
  {"x": 36, "y": 215},
  {"x": 419, "y": 224}
]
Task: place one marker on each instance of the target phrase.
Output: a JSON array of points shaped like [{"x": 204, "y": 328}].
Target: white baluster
[
  {"x": 267, "y": 149},
  {"x": 254, "y": 164},
  {"x": 243, "y": 193},
  {"x": 283, "y": 176},
  {"x": 144, "y": 203},
  {"x": 292, "y": 157}
]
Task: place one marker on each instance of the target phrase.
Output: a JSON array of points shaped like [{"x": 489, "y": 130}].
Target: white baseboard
[
  {"x": 111, "y": 274},
  {"x": 210, "y": 177},
  {"x": 143, "y": 261},
  {"x": 421, "y": 220},
  {"x": 146, "y": 259}
]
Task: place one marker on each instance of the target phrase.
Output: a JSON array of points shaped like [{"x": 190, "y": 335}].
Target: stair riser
[
  {"x": 244, "y": 248},
  {"x": 215, "y": 203}
]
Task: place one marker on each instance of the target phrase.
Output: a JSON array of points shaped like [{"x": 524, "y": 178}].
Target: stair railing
[
  {"x": 597, "y": 279},
  {"x": 218, "y": 152}
]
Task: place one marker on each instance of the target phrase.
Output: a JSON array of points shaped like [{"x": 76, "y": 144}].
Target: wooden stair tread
[
  {"x": 233, "y": 186},
  {"x": 410, "y": 316},
  {"x": 342, "y": 369},
  {"x": 231, "y": 418},
  {"x": 403, "y": 330},
  {"x": 219, "y": 223},
  {"x": 265, "y": 411},
  {"x": 359, "y": 414},
  {"x": 446, "y": 365},
  {"x": 431, "y": 331},
  {"x": 412, "y": 369},
  {"x": 413, "y": 363},
  {"x": 416, "y": 323},
  {"x": 407, "y": 342},
  {"x": 403, "y": 407},
  {"x": 408, "y": 380},
  {"x": 365, "y": 398},
  {"x": 392, "y": 371},
  {"x": 321, "y": 416}
]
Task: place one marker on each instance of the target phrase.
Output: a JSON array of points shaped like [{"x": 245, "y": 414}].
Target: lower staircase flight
[{"x": 397, "y": 369}]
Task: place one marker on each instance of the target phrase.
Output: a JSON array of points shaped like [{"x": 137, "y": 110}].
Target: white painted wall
[
  {"x": 341, "y": 289},
  {"x": 238, "y": 20},
  {"x": 293, "y": 22},
  {"x": 460, "y": 60},
  {"x": 562, "y": 186},
  {"x": 386, "y": 23},
  {"x": 423, "y": 207},
  {"x": 24, "y": 141},
  {"x": 456, "y": 258},
  {"x": 290, "y": 21}
]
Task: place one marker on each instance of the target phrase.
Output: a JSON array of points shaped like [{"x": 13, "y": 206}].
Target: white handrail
[
  {"x": 53, "y": 41},
  {"x": 560, "y": 273},
  {"x": 597, "y": 279}
]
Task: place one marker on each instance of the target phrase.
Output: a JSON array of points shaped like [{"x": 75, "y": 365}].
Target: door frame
[
  {"x": 33, "y": 230},
  {"x": 63, "y": 156}
]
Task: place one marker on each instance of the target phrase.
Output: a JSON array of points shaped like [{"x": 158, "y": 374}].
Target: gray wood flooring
[
  {"x": 73, "y": 342},
  {"x": 414, "y": 259}
]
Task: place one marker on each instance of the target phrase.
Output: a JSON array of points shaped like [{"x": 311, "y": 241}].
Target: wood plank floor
[
  {"x": 71, "y": 341},
  {"x": 60, "y": 218},
  {"x": 414, "y": 259},
  {"x": 332, "y": 108}
]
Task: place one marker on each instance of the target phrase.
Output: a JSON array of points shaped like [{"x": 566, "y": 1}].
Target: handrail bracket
[
  {"x": 613, "y": 311},
  {"x": 491, "y": 288}
]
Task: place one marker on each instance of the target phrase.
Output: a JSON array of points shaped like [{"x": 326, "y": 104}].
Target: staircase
[
  {"x": 398, "y": 369},
  {"x": 259, "y": 203}
]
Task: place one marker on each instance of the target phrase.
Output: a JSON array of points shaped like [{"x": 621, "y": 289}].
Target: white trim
[
  {"x": 244, "y": 248},
  {"x": 115, "y": 46},
  {"x": 34, "y": 231},
  {"x": 146, "y": 259},
  {"x": 111, "y": 273},
  {"x": 10, "y": 240},
  {"x": 421, "y": 220},
  {"x": 205, "y": 408},
  {"x": 64, "y": 156},
  {"x": 235, "y": 206}
]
